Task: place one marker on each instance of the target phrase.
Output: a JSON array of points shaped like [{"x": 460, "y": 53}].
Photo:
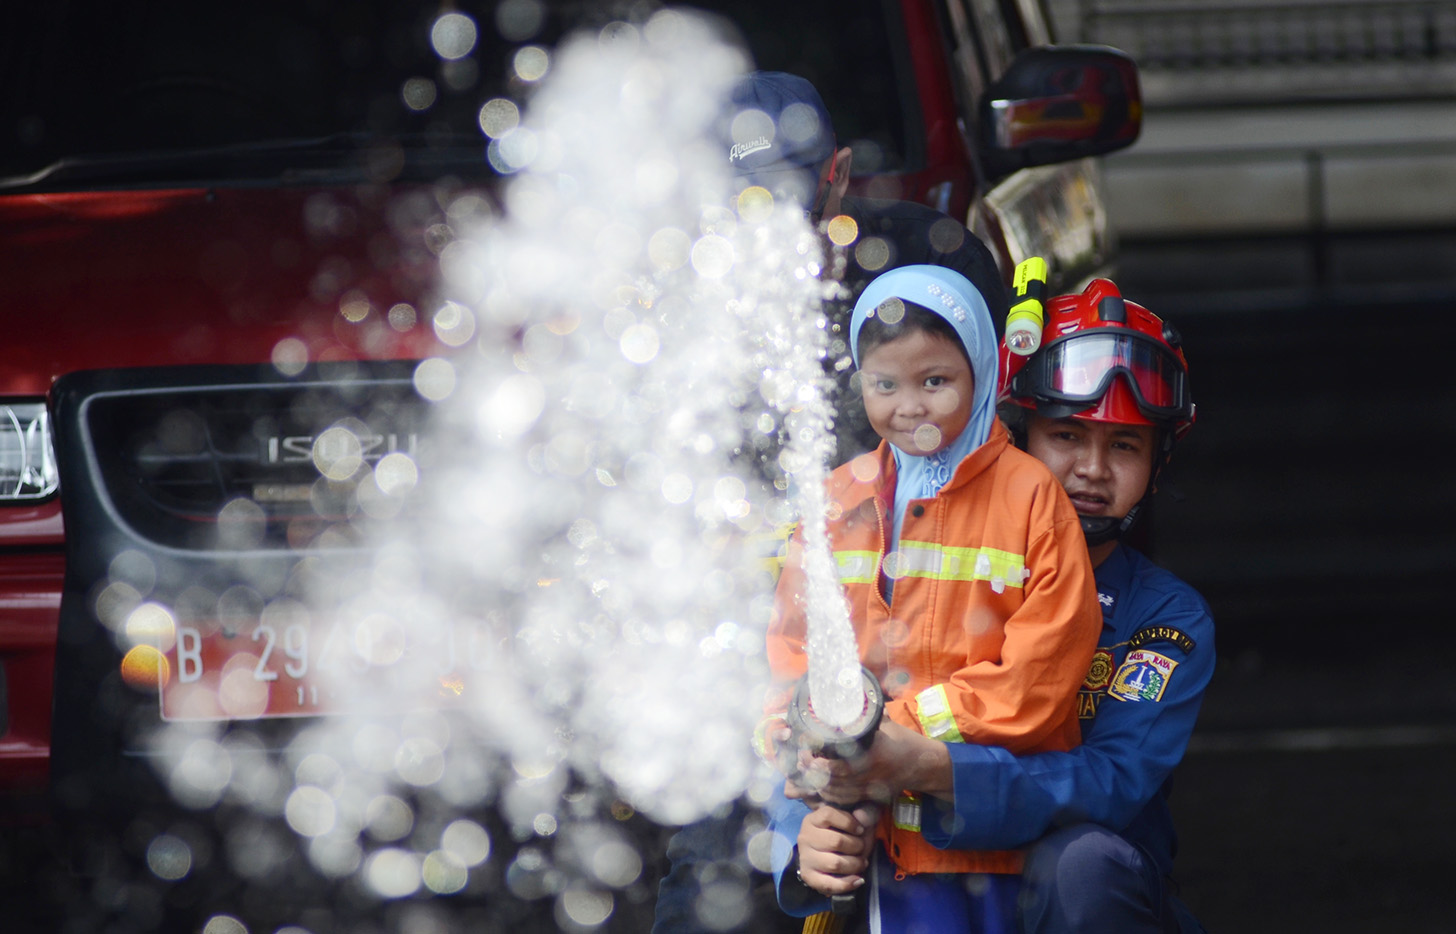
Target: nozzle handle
[
  {"x": 846, "y": 742},
  {"x": 847, "y": 903}
]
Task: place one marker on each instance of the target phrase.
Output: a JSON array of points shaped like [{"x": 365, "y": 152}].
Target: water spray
[
  {"x": 629, "y": 348},
  {"x": 837, "y": 705}
]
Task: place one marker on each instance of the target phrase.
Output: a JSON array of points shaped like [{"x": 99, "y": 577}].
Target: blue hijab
[{"x": 953, "y": 297}]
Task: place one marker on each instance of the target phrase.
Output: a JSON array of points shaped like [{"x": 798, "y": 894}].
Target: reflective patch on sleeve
[
  {"x": 762, "y": 744},
  {"x": 936, "y": 720},
  {"x": 1143, "y": 676},
  {"x": 906, "y": 813},
  {"x": 772, "y": 548}
]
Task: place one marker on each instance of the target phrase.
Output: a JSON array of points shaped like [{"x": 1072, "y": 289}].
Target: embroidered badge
[
  {"x": 1143, "y": 677},
  {"x": 1099, "y": 673},
  {"x": 1162, "y": 634}
]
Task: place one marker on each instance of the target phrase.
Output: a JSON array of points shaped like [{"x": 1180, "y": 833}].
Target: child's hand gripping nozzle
[
  {"x": 1028, "y": 310},
  {"x": 837, "y": 742}
]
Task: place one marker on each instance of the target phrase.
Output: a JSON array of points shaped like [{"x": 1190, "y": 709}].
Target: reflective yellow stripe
[
  {"x": 936, "y": 720},
  {"x": 856, "y": 567},
  {"x": 936, "y": 562},
  {"x": 946, "y": 563}
]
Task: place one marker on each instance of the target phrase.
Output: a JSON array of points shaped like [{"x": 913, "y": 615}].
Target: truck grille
[{"x": 257, "y": 465}]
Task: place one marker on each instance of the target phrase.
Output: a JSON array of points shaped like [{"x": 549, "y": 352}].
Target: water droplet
[
  {"x": 310, "y": 811},
  {"x": 467, "y": 841},
  {"x": 443, "y": 874},
  {"x": 169, "y": 858},
  {"x": 453, "y": 36},
  {"x": 712, "y": 256},
  {"x": 531, "y": 62},
  {"x": 842, "y": 230},
  {"x": 891, "y": 310},
  {"x": 640, "y": 343},
  {"x": 499, "y": 117},
  {"x": 586, "y": 907},
  {"x": 927, "y": 438},
  {"x": 388, "y": 818},
  {"x": 393, "y": 873}
]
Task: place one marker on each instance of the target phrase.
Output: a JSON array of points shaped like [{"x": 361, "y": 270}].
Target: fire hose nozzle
[{"x": 838, "y": 742}]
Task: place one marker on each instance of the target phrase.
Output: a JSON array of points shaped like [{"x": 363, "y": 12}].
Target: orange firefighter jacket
[{"x": 994, "y": 620}]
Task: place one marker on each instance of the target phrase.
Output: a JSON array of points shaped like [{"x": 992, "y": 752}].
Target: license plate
[{"x": 298, "y": 669}]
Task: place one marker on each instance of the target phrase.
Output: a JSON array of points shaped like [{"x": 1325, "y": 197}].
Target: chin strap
[{"x": 1101, "y": 529}]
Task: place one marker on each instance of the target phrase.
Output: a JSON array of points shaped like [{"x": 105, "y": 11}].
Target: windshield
[{"x": 128, "y": 84}]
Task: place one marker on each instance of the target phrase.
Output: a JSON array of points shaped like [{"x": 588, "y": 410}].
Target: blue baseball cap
[{"x": 778, "y": 133}]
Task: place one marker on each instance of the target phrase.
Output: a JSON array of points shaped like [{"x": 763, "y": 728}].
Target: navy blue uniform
[{"x": 1138, "y": 706}]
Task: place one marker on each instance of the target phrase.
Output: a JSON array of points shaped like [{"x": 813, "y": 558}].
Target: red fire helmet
[{"x": 1088, "y": 341}]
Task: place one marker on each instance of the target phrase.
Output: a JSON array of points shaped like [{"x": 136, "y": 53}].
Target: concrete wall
[
  {"x": 1292, "y": 169},
  {"x": 1289, "y": 117}
]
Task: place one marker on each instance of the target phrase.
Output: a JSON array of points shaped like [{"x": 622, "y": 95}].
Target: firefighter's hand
[
  {"x": 794, "y": 790},
  {"x": 835, "y": 847},
  {"x": 899, "y": 758},
  {"x": 806, "y": 777}
]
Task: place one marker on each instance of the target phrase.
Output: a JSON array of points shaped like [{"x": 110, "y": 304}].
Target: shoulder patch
[
  {"x": 1099, "y": 673},
  {"x": 1162, "y": 634},
  {"x": 1143, "y": 677}
]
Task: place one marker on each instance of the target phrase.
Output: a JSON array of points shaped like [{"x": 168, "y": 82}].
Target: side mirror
[{"x": 1057, "y": 104}]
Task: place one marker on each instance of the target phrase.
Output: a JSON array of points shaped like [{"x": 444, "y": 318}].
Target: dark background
[
  {"x": 1291, "y": 206},
  {"x": 1312, "y": 505}
]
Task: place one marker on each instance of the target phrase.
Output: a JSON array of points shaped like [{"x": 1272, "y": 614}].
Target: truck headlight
[{"x": 27, "y": 460}]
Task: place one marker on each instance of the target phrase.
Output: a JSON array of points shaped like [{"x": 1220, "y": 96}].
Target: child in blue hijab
[
  {"x": 963, "y": 315},
  {"x": 970, "y": 591}
]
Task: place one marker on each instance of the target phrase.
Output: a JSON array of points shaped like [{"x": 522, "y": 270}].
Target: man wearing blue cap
[{"x": 779, "y": 135}]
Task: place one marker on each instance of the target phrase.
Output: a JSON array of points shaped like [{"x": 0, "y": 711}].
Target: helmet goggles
[{"x": 1078, "y": 370}]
